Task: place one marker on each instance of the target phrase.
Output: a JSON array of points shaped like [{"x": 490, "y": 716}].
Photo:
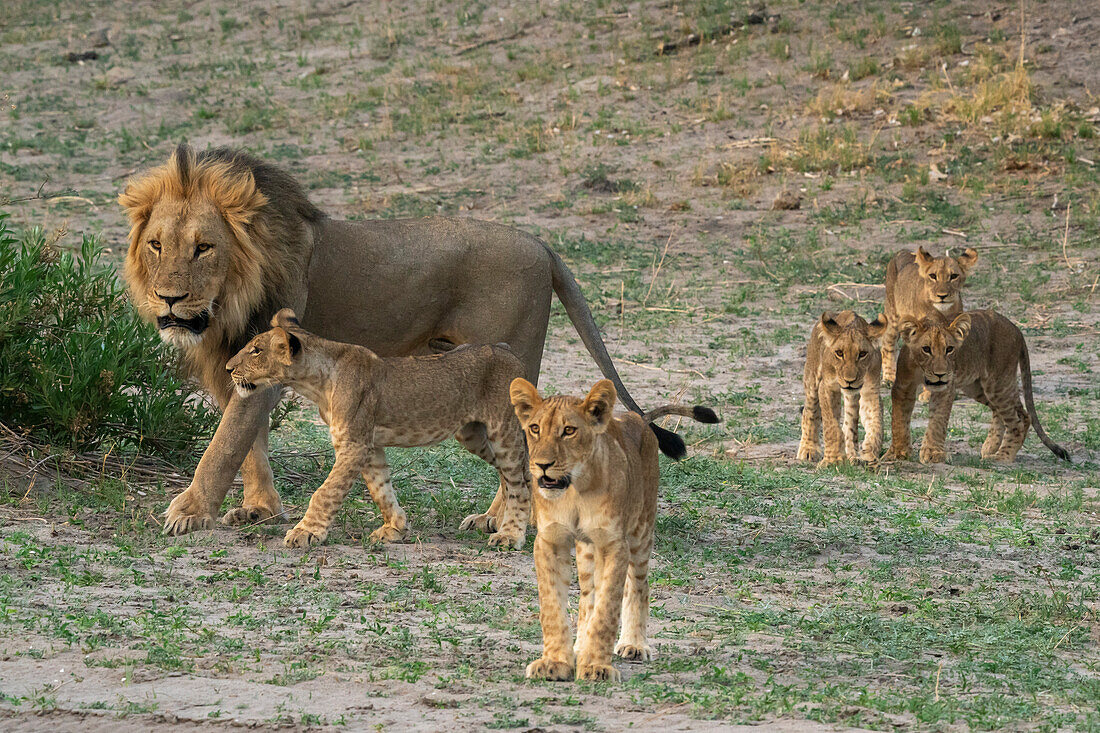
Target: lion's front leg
[
  {"x": 351, "y": 459},
  {"x": 552, "y": 568},
  {"x": 261, "y": 500},
  {"x": 197, "y": 506},
  {"x": 602, "y": 627}
]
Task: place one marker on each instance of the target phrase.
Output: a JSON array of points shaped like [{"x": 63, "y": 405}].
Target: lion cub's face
[
  {"x": 270, "y": 358},
  {"x": 943, "y": 277},
  {"x": 850, "y": 347},
  {"x": 934, "y": 347},
  {"x": 561, "y": 431}
]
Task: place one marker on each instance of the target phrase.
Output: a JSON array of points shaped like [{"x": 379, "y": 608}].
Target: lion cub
[
  {"x": 842, "y": 358},
  {"x": 978, "y": 354},
  {"x": 921, "y": 286},
  {"x": 370, "y": 403},
  {"x": 597, "y": 489}
]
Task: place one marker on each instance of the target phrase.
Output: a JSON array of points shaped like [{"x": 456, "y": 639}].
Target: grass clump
[{"x": 77, "y": 366}]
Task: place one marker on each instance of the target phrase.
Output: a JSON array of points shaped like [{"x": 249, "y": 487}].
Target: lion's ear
[
  {"x": 599, "y": 404},
  {"x": 285, "y": 318},
  {"x": 287, "y": 346},
  {"x": 967, "y": 259},
  {"x": 960, "y": 327},
  {"x": 877, "y": 327},
  {"x": 909, "y": 329},
  {"x": 924, "y": 259},
  {"x": 829, "y": 324},
  {"x": 525, "y": 398}
]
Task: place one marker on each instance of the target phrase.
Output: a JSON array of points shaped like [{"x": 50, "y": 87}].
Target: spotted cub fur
[{"x": 371, "y": 403}]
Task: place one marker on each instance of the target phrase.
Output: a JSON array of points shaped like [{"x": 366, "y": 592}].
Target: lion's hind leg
[
  {"x": 474, "y": 438},
  {"x": 510, "y": 459}
]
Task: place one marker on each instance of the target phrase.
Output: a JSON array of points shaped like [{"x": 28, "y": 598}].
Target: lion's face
[
  {"x": 184, "y": 249},
  {"x": 851, "y": 347},
  {"x": 193, "y": 265},
  {"x": 271, "y": 358},
  {"x": 934, "y": 347},
  {"x": 944, "y": 277},
  {"x": 561, "y": 431}
]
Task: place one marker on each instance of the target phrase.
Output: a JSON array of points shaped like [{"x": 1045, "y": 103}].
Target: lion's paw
[
  {"x": 828, "y": 461},
  {"x": 928, "y": 455},
  {"x": 549, "y": 669},
  {"x": 387, "y": 533},
  {"x": 598, "y": 673},
  {"x": 634, "y": 652},
  {"x": 299, "y": 536},
  {"x": 484, "y": 523},
  {"x": 508, "y": 539},
  {"x": 249, "y": 515},
  {"x": 187, "y": 513}
]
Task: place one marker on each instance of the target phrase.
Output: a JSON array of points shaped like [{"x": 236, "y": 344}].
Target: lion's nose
[{"x": 171, "y": 299}]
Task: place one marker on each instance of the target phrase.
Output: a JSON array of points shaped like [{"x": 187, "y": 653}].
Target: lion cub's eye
[
  {"x": 155, "y": 245},
  {"x": 200, "y": 248},
  {"x": 950, "y": 349},
  {"x": 954, "y": 276},
  {"x": 253, "y": 351},
  {"x": 932, "y": 275},
  {"x": 926, "y": 349},
  {"x": 863, "y": 355},
  {"x": 568, "y": 430},
  {"x": 533, "y": 428}
]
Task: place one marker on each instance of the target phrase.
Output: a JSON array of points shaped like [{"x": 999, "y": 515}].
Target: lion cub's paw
[
  {"x": 830, "y": 461},
  {"x": 249, "y": 515},
  {"x": 485, "y": 523},
  {"x": 549, "y": 669},
  {"x": 387, "y": 533},
  {"x": 508, "y": 539},
  {"x": 895, "y": 455},
  {"x": 807, "y": 453},
  {"x": 302, "y": 537},
  {"x": 932, "y": 456},
  {"x": 598, "y": 673},
  {"x": 634, "y": 652}
]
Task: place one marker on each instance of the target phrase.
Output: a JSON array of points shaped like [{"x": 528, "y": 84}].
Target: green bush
[{"x": 77, "y": 366}]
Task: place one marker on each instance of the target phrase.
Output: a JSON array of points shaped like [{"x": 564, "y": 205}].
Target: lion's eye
[
  {"x": 200, "y": 248},
  {"x": 839, "y": 353},
  {"x": 926, "y": 349},
  {"x": 932, "y": 275},
  {"x": 863, "y": 355},
  {"x": 950, "y": 349},
  {"x": 534, "y": 429},
  {"x": 568, "y": 430},
  {"x": 954, "y": 276},
  {"x": 155, "y": 245}
]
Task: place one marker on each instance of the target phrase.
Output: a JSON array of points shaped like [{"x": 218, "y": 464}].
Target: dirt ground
[{"x": 712, "y": 198}]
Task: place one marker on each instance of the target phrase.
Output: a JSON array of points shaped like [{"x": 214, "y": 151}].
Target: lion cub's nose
[{"x": 545, "y": 466}]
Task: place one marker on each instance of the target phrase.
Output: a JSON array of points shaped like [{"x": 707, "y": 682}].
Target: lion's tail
[
  {"x": 1029, "y": 400},
  {"x": 697, "y": 413},
  {"x": 570, "y": 295}
]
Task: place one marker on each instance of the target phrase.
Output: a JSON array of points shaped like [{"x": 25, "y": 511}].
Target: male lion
[
  {"x": 597, "y": 488},
  {"x": 371, "y": 403},
  {"x": 919, "y": 285},
  {"x": 842, "y": 358},
  {"x": 220, "y": 240},
  {"x": 977, "y": 354}
]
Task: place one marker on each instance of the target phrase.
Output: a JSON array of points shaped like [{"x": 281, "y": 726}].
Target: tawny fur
[
  {"x": 918, "y": 286},
  {"x": 371, "y": 403},
  {"x": 596, "y": 489},
  {"x": 977, "y": 354},
  {"x": 842, "y": 362}
]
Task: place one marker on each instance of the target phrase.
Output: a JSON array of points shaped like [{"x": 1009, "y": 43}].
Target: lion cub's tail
[
  {"x": 1029, "y": 400},
  {"x": 697, "y": 413}
]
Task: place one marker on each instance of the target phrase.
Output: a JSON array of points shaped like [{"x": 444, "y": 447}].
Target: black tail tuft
[
  {"x": 704, "y": 414},
  {"x": 671, "y": 444}
]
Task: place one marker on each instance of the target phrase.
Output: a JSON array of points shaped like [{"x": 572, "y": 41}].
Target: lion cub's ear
[
  {"x": 829, "y": 323},
  {"x": 287, "y": 346},
  {"x": 967, "y": 259},
  {"x": 924, "y": 260},
  {"x": 909, "y": 329},
  {"x": 877, "y": 327},
  {"x": 960, "y": 327},
  {"x": 525, "y": 398},
  {"x": 284, "y": 319},
  {"x": 599, "y": 403}
]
